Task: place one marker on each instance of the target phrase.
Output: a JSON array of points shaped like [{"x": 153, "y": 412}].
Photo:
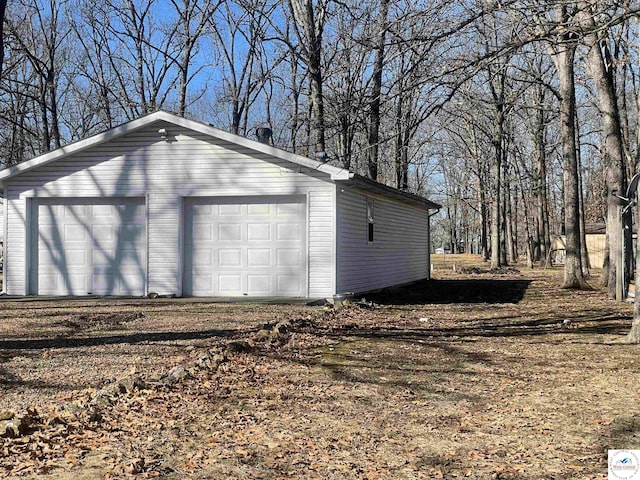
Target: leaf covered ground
[{"x": 471, "y": 375}]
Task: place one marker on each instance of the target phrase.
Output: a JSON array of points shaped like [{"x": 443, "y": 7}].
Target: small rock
[
  {"x": 106, "y": 395},
  {"x": 263, "y": 335},
  {"x": 6, "y": 415},
  {"x": 95, "y": 416},
  {"x": 102, "y": 398},
  {"x": 281, "y": 327},
  {"x": 218, "y": 360},
  {"x": 203, "y": 360},
  {"x": 129, "y": 384},
  {"x": 424, "y": 320},
  {"x": 11, "y": 428},
  {"x": 176, "y": 374}
]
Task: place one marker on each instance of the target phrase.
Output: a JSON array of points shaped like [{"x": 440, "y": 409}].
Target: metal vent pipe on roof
[{"x": 264, "y": 135}]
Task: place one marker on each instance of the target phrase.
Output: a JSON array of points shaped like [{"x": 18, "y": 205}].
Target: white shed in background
[{"x": 168, "y": 205}]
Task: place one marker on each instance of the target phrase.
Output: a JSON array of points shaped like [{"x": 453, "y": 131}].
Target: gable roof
[{"x": 335, "y": 173}]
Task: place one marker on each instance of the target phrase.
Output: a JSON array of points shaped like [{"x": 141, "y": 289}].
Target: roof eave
[{"x": 367, "y": 184}]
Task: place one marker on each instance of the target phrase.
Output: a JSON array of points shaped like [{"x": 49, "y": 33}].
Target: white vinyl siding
[
  {"x": 399, "y": 252},
  {"x": 141, "y": 164},
  {"x": 321, "y": 243},
  {"x": 15, "y": 248}
]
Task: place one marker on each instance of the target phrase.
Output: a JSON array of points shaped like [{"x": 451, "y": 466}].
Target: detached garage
[{"x": 168, "y": 205}]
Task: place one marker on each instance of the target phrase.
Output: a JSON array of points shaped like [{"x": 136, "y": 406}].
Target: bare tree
[
  {"x": 310, "y": 18},
  {"x": 3, "y": 9},
  {"x": 602, "y": 71},
  {"x": 376, "y": 91},
  {"x": 192, "y": 18},
  {"x": 239, "y": 30},
  {"x": 563, "y": 56},
  {"x": 40, "y": 39}
]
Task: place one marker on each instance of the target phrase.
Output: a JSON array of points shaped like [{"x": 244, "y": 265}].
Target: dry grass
[
  {"x": 467, "y": 376},
  {"x": 448, "y": 261}
]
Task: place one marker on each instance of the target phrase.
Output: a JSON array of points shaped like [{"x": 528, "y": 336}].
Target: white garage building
[{"x": 168, "y": 205}]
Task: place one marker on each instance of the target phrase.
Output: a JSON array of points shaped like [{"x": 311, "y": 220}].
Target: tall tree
[
  {"x": 192, "y": 18},
  {"x": 563, "y": 56},
  {"x": 376, "y": 91},
  {"x": 40, "y": 39},
  {"x": 239, "y": 29},
  {"x": 310, "y": 17},
  {"x": 601, "y": 68},
  {"x": 3, "y": 9}
]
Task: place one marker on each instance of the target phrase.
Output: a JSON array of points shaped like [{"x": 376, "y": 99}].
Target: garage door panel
[
  {"x": 259, "y": 284},
  {"x": 230, "y": 284},
  {"x": 128, "y": 261},
  {"x": 75, "y": 233},
  {"x": 258, "y": 209},
  {"x": 76, "y": 258},
  {"x": 255, "y": 240},
  {"x": 230, "y": 257},
  {"x": 76, "y": 212},
  {"x": 259, "y": 232},
  {"x": 104, "y": 233},
  {"x": 103, "y": 282},
  {"x": 91, "y": 247},
  {"x": 229, "y": 232},
  {"x": 50, "y": 284},
  {"x": 288, "y": 231},
  {"x": 289, "y": 284},
  {"x": 203, "y": 257},
  {"x": 132, "y": 234},
  {"x": 204, "y": 284},
  {"x": 288, "y": 257},
  {"x": 288, "y": 209},
  {"x": 102, "y": 257},
  {"x": 203, "y": 232},
  {"x": 77, "y": 283},
  {"x": 258, "y": 257},
  {"x": 233, "y": 210}
]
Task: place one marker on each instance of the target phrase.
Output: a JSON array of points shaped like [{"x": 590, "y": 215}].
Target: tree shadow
[
  {"x": 130, "y": 339},
  {"x": 10, "y": 381},
  {"x": 624, "y": 432},
  {"x": 480, "y": 290},
  {"x": 531, "y": 327}
]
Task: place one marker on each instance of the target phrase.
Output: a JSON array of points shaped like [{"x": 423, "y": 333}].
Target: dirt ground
[{"x": 471, "y": 375}]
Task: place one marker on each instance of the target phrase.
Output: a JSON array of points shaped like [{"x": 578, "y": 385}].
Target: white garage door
[
  {"x": 245, "y": 246},
  {"x": 90, "y": 246}
]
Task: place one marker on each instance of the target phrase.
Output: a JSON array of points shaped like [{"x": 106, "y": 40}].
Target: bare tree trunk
[
  {"x": 634, "y": 333},
  {"x": 310, "y": 20},
  {"x": 601, "y": 69},
  {"x": 3, "y": 9},
  {"x": 564, "y": 58},
  {"x": 584, "y": 254},
  {"x": 496, "y": 208},
  {"x": 542, "y": 236},
  {"x": 193, "y": 15},
  {"x": 376, "y": 92}
]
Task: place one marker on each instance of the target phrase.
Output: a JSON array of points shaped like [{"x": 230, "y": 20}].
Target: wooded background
[{"x": 520, "y": 117}]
